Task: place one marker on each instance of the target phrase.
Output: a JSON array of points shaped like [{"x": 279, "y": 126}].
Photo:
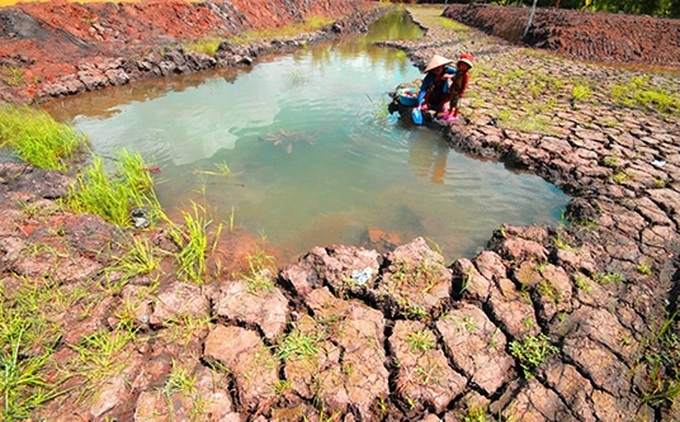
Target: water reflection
[{"x": 314, "y": 158}]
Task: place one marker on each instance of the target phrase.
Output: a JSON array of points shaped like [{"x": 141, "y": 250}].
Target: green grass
[
  {"x": 312, "y": 23},
  {"x": 29, "y": 333},
  {"x": 139, "y": 259},
  {"x": 205, "y": 45},
  {"x": 298, "y": 345},
  {"x": 114, "y": 196},
  {"x": 531, "y": 352},
  {"x": 580, "y": 93},
  {"x": 180, "y": 380},
  {"x": 22, "y": 386},
  {"x": 12, "y": 76},
  {"x": 100, "y": 356},
  {"x": 261, "y": 266},
  {"x": 640, "y": 93},
  {"x": 420, "y": 341},
  {"x": 37, "y": 138},
  {"x": 192, "y": 239},
  {"x": 661, "y": 362}
]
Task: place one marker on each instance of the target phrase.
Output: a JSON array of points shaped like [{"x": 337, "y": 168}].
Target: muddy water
[{"x": 313, "y": 158}]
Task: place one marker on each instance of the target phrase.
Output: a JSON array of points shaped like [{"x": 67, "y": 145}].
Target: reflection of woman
[
  {"x": 434, "y": 90},
  {"x": 428, "y": 153}
]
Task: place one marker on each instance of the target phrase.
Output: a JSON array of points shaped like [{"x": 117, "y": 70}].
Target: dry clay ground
[{"x": 546, "y": 324}]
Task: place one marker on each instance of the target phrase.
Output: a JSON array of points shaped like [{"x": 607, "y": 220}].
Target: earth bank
[{"x": 356, "y": 334}]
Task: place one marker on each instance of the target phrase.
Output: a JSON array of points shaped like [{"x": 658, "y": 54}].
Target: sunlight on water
[{"x": 313, "y": 155}]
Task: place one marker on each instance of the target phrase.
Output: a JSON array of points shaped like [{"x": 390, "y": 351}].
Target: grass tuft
[
  {"x": 37, "y": 138},
  {"x": 192, "y": 240},
  {"x": 531, "y": 352},
  {"x": 113, "y": 197}
]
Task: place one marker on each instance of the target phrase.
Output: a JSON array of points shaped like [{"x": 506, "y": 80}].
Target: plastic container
[{"x": 408, "y": 97}]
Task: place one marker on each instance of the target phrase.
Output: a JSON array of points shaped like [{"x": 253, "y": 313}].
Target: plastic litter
[
  {"x": 140, "y": 218},
  {"x": 658, "y": 163},
  {"x": 362, "y": 276}
]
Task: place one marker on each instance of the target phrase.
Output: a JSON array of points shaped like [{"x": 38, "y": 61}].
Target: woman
[{"x": 434, "y": 90}]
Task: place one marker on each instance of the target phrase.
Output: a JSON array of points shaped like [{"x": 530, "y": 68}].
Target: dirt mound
[{"x": 601, "y": 37}]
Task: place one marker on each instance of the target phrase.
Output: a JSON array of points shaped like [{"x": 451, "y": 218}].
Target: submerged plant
[
  {"x": 37, "y": 138},
  {"x": 288, "y": 139}
]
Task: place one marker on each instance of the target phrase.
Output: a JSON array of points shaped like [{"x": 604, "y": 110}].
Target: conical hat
[{"x": 436, "y": 61}]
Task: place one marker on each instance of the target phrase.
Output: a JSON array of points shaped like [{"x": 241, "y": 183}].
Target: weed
[
  {"x": 640, "y": 93},
  {"x": 21, "y": 385},
  {"x": 662, "y": 362},
  {"x": 184, "y": 328},
  {"x": 298, "y": 345},
  {"x": 467, "y": 278},
  {"x": 531, "y": 352},
  {"x": 193, "y": 243},
  {"x": 99, "y": 356},
  {"x": 379, "y": 109},
  {"x": 112, "y": 197},
  {"x": 312, "y": 23},
  {"x": 37, "y": 138},
  {"x": 585, "y": 224},
  {"x": 206, "y": 45},
  {"x": 12, "y": 76},
  {"x": 412, "y": 311},
  {"x": 298, "y": 77},
  {"x": 583, "y": 283},
  {"x": 179, "y": 380},
  {"x": 561, "y": 243},
  {"x": 139, "y": 260},
  {"x": 546, "y": 289},
  {"x": 580, "y": 92},
  {"x": 232, "y": 218},
  {"x": 644, "y": 268},
  {"x": 259, "y": 277},
  {"x": 478, "y": 414},
  {"x": 468, "y": 323},
  {"x": 607, "y": 278},
  {"x": 420, "y": 341},
  {"x": 611, "y": 162},
  {"x": 281, "y": 387}
]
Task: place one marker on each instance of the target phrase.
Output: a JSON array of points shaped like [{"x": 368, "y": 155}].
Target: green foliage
[
  {"x": 180, "y": 380},
  {"x": 298, "y": 345},
  {"x": 661, "y": 362},
  {"x": 312, "y": 23},
  {"x": 139, "y": 259},
  {"x": 420, "y": 341},
  {"x": 21, "y": 385},
  {"x": 37, "y": 138},
  {"x": 112, "y": 197},
  {"x": 531, "y": 352},
  {"x": 11, "y": 76},
  {"x": 639, "y": 92},
  {"x": 192, "y": 239},
  {"x": 580, "y": 92},
  {"x": 260, "y": 269},
  {"x": 205, "y": 45},
  {"x": 608, "y": 278}
]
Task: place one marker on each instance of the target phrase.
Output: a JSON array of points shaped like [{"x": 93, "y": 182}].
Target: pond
[{"x": 300, "y": 149}]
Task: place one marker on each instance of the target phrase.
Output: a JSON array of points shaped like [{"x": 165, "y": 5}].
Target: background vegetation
[{"x": 659, "y": 8}]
